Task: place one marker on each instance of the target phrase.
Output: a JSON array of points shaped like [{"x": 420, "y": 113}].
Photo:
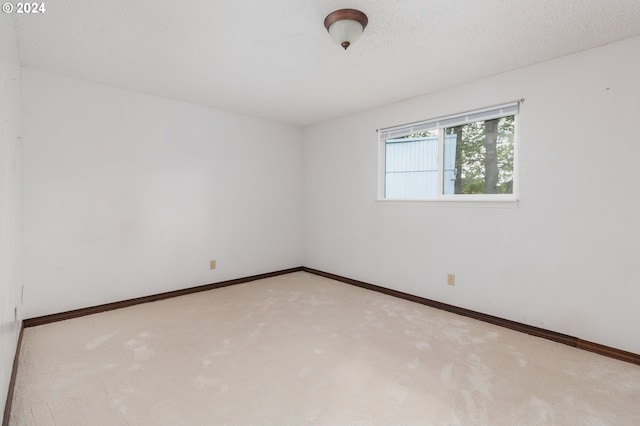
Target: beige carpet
[{"x": 300, "y": 349}]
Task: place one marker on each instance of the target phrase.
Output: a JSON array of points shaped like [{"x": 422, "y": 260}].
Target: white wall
[
  {"x": 10, "y": 202},
  {"x": 566, "y": 259},
  {"x": 127, "y": 195}
]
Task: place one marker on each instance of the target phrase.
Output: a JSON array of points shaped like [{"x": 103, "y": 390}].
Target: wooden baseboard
[
  {"x": 76, "y": 313},
  {"x": 609, "y": 351},
  {"x": 513, "y": 325},
  {"x": 12, "y": 381}
]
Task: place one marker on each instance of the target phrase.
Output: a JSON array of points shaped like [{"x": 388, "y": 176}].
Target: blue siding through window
[{"x": 411, "y": 167}]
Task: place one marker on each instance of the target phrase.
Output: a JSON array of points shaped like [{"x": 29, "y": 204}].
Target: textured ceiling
[{"x": 274, "y": 59}]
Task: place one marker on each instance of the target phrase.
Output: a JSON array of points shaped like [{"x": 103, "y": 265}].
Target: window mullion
[{"x": 440, "y": 191}]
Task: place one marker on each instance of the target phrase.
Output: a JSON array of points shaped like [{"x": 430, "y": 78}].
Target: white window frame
[{"x": 498, "y": 111}]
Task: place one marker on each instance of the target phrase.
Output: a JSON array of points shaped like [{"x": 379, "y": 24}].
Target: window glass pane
[
  {"x": 411, "y": 169},
  {"x": 478, "y": 157}
]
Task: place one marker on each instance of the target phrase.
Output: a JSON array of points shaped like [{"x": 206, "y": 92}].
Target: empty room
[{"x": 319, "y": 212}]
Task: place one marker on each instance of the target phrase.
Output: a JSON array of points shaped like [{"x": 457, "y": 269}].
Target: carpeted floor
[{"x": 299, "y": 349}]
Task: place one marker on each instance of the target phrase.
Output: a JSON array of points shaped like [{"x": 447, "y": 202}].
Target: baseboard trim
[
  {"x": 76, "y": 313},
  {"x": 513, "y": 325},
  {"x": 609, "y": 351},
  {"x": 12, "y": 381}
]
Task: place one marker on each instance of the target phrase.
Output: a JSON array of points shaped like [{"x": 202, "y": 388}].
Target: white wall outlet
[
  {"x": 451, "y": 279},
  {"x": 212, "y": 264}
]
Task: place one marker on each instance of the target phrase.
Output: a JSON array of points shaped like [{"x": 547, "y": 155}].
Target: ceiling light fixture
[{"x": 345, "y": 26}]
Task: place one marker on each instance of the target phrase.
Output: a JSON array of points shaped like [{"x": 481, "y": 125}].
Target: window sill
[{"x": 510, "y": 203}]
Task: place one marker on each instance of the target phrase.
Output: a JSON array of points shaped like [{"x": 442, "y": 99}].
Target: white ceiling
[{"x": 274, "y": 59}]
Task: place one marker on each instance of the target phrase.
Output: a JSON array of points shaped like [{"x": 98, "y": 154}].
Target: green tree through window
[{"x": 484, "y": 156}]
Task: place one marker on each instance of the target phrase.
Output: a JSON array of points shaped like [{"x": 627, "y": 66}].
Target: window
[{"x": 468, "y": 156}]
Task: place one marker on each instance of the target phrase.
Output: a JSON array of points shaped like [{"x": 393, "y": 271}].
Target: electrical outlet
[
  {"x": 451, "y": 279},
  {"x": 212, "y": 264}
]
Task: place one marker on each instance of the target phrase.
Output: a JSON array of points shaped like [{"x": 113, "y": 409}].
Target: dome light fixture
[{"x": 345, "y": 26}]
